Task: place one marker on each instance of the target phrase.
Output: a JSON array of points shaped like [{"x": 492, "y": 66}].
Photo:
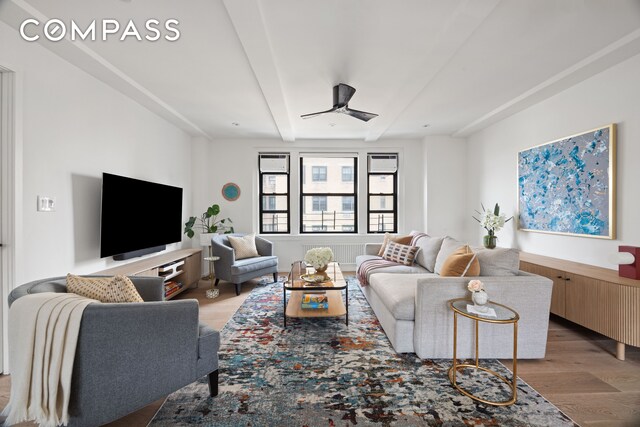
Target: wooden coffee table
[{"x": 333, "y": 289}]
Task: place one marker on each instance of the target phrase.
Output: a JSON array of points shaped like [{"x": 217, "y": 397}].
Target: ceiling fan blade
[
  {"x": 362, "y": 115},
  {"x": 308, "y": 116},
  {"x": 342, "y": 93}
]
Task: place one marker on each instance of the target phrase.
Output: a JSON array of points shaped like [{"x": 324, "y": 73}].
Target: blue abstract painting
[{"x": 566, "y": 186}]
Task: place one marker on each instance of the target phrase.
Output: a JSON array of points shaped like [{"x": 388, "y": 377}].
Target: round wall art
[{"x": 231, "y": 191}]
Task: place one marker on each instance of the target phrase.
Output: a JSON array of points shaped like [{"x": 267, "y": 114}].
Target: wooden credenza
[
  {"x": 183, "y": 265},
  {"x": 593, "y": 297}
]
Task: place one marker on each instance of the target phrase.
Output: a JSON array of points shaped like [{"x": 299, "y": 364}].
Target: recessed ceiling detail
[{"x": 463, "y": 64}]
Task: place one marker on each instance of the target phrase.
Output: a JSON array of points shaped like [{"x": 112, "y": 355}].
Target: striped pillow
[
  {"x": 245, "y": 246},
  {"x": 402, "y": 254}
]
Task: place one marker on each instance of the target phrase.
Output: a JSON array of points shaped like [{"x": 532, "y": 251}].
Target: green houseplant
[{"x": 208, "y": 222}]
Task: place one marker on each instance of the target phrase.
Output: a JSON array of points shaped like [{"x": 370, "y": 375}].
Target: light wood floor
[{"x": 580, "y": 374}]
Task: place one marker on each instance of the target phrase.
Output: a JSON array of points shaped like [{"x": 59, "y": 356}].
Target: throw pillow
[
  {"x": 104, "y": 289},
  {"x": 403, "y": 240},
  {"x": 449, "y": 245},
  {"x": 402, "y": 254},
  {"x": 498, "y": 261},
  {"x": 245, "y": 246},
  {"x": 462, "y": 262},
  {"x": 429, "y": 248}
]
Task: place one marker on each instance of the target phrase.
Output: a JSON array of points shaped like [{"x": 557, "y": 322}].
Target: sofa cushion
[
  {"x": 462, "y": 262},
  {"x": 104, "y": 289},
  {"x": 449, "y": 245},
  {"x": 429, "y": 248},
  {"x": 397, "y": 292},
  {"x": 498, "y": 261},
  {"x": 403, "y": 240},
  {"x": 402, "y": 254},
  {"x": 245, "y": 246},
  {"x": 253, "y": 264}
]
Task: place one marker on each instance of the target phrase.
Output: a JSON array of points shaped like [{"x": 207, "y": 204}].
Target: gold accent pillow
[
  {"x": 402, "y": 254},
  {"x": 403, "y": 240},
  {"x": 462, "y": 262},
  {"x": 104, "y": 289},
  {"x": 245, "y": 246}
]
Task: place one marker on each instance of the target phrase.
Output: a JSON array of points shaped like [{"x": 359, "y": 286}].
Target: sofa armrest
[
  {"x": 149, "y": 288},
  {"x": 265, "y": 247},
  {"x": 527, "y": 294},
  {"x": 131, "y": 354},
  {"x": 372, "y": 248},
  {"x": 227, "y": 259}
]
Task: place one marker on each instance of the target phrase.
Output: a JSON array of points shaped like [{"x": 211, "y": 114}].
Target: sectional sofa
[{"x": 411, "y": 302}]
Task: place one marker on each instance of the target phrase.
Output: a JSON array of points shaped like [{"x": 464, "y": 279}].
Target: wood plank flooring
[{"x": 580, "y": 374}]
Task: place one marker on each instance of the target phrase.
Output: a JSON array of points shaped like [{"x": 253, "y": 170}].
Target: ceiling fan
[{"x": 342, "y": 93}]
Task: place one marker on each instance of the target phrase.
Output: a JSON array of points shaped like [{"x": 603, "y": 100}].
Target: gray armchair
[
  {"x": 239, "y": 271},
  {"x": 131, "y": 354}
]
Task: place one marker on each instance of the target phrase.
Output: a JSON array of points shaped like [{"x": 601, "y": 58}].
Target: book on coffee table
[{"x": 314, "y": 301}]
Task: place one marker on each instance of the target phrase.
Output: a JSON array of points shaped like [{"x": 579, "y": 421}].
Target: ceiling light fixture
[{"x": 235, "y": 123}]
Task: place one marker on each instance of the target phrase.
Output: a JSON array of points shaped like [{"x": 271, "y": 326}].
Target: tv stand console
[
  {"x": 594, "y": 297},
  {"x": 183, "y": 266}
]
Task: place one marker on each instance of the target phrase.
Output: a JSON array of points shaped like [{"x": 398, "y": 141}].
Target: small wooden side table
[{"x": 504, "y": 315}]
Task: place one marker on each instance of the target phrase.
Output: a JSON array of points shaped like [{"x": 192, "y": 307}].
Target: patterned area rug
[{"x": 320, "y": 372}]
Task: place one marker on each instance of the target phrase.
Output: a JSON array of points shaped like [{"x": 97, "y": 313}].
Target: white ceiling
[{"x": 456, "y": 65}]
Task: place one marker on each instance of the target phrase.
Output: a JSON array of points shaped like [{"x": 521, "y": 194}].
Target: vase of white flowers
[
  {"x": 492, "y": 221},
  {"x": 319, "y": 258}
]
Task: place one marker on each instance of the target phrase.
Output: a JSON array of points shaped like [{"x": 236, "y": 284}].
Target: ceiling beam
[
  {"x": 248, "y": 21},
  {"x": 463, "y": 23},
  {"x": 607, "y": 57},
  {"x": 14, "y": 12}
]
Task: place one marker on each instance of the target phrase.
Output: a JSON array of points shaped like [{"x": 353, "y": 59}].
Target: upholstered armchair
[
  {"x": 238, "y": 271},
  {"x": 131, "y": 354}
]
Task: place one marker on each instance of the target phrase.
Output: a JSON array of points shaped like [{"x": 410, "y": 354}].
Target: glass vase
[{"x": 490, "y": 241}]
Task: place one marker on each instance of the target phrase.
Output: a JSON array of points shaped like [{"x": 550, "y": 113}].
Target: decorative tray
[{"x": 314, "y": 278}]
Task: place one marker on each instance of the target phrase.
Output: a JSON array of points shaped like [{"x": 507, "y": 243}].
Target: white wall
[
  {"x": 217, "y": 162},
  {"x": 445, "y": 183},
  {"x": 609, "y": 97},
  {"x": 74, "y": 128}
]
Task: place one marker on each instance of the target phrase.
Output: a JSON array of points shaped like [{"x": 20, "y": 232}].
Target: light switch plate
[{"x": 46, "y": 204}]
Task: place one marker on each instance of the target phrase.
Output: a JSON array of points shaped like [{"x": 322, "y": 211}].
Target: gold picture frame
[{"x": 568, "y": 186}]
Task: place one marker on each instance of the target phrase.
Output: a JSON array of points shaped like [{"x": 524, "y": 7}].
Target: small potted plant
[{"x": 208, "y": 223}]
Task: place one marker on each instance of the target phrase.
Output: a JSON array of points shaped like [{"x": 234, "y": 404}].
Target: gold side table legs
[
  {"x": 211, "y": 292},
  {"x": 455, "y": 366}
]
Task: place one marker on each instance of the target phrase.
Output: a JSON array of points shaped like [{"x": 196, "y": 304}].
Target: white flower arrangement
[
  {"x": 492, "y": 221},
  {"x": 475, "y": 286},
  {"x": 318, "y": 257}
]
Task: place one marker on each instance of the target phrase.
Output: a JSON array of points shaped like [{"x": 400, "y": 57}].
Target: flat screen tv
[{"x": 138, "y": 217}]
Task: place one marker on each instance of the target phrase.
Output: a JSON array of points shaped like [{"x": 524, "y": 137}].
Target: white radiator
[{"x": 344, "y": 253}]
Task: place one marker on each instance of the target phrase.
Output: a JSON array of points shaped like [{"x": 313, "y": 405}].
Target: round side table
[
  {"x": 211, "y": 292},
  {"x": 504, "y": 315}
]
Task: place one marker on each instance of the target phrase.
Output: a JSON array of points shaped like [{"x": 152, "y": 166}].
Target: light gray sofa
[
  {"x": 132, "y": 354},
  {"x": 238, "y": 271},
  {"x": 411, "y": 303}
]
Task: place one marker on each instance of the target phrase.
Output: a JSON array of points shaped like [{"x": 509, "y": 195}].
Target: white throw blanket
[{"x": 43, "y": 333}]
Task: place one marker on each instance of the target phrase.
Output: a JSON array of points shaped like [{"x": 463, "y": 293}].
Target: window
[
  {"x": 327, "y": 202},
  {"x": 382, "y": 193},
  {"x": 347, "y": 174},
  {"x": 347, "y": 204},
  {"x": 274, "y": 192},
  {"x": 319, "y": 173},
  {"x": 318, "y": 203},
  {"x": 271, "y": 202}
]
